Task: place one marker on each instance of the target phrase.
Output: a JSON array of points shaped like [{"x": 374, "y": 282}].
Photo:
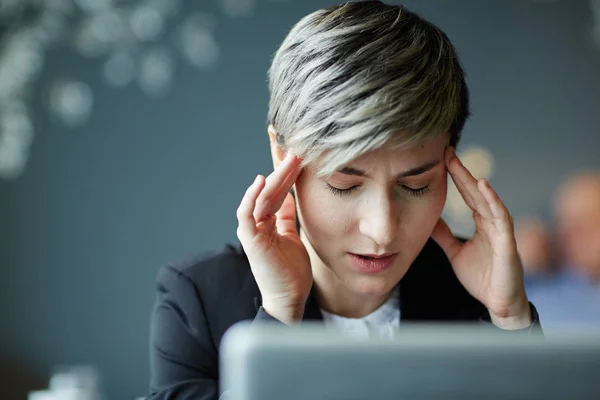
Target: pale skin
[{"x": 387, "y": 209}]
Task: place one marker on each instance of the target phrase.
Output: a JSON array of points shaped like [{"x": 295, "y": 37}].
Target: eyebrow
[{"x": 411, "y": 172}]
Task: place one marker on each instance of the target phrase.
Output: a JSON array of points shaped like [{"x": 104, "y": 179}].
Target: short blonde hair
[{"x": 359, "y": 76}]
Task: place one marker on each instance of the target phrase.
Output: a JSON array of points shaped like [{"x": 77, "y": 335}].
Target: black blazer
[{"x": 199, "y": 298}]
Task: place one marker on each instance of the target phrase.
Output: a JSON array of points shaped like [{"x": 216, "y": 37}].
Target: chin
[
  {"x": 371, "y": 285},
  {"x": 376, "y": 284}
]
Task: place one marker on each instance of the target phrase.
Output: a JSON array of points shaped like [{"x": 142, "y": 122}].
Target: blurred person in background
[
  {"x": 535, "y": 244},
  {"x": 577, "y": 211},
  {"x": 572, "y": 295},
  {"x": 367, "y": 104}
]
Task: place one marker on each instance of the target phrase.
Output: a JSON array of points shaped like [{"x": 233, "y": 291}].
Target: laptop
[{"x": 272, "y": 362}]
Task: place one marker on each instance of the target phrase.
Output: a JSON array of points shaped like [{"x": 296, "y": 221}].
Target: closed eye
[
  {"x": 342, "y": 192},
  {"x": 416, "y": 192}
]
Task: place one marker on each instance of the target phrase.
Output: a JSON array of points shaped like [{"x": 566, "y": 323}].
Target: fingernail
[
  {"x": 293, "y": 158},
  {"x": 256, "y": 180}
]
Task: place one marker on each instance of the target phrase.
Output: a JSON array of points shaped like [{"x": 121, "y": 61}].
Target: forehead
[
  {"x": 410, "y": 155},
  {"x": 422, "y": 152}
]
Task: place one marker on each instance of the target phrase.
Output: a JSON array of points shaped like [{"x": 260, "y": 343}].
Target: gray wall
[{"x": 100, "y": 208}]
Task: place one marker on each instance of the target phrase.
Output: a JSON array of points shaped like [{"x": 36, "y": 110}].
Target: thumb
[{"x": 445, "y": 239}]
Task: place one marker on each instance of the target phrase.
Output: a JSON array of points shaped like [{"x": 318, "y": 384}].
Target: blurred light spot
[
  {"x": 12, "y": 160},
  {"x": 156, "y": 71},
  {"x": 480, "y": 162},
  {"x": 146, "y": 23},
  {"x": 87, "y": 44},
  {"x": 68, "y": 377},
  {"x": 14, "y": 118},
  {"x": 238, "y": 8},
  {"x": 166, "y": 8},
  {"x": 202, "y": 21},
  {"x": 63, "y": 6},
  {"x": 97, "y": 33},
  {"x": 21, "y": 62},
  {"x": 16, "y": 135},
  {"x": 93, "y": 6},
  {"x": 119, "y": 69},
  {"x": 51, "y": 26},
  {"x": 71, "y": 101},
  {"x": 197, "y": 43},
  {"x": 107, "y": 26},
  {"x": 28, "y": 59}
]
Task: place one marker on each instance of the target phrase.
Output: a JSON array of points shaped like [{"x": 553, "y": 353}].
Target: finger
[
  {"x": 446, "y": 239},
  {"x": 478, "y": 219},
  {"x": 464, "y": 194},
  {"x": 502, "y": 219},
  {"x": 286, "y": 216},
  {"x": 467, "y": 185},
  {"x": 285, "y": 189},
  {"x": 450, "y": 155},
  {"x": 273, "y": 184},
  {"x": 272, "y": 204},
  {"x": 246, "y": 222}
]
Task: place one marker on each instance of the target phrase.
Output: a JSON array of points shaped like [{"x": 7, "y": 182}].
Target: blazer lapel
[
  {"x": 312, "y": 312},
  {"x": 415, "y": 302}
]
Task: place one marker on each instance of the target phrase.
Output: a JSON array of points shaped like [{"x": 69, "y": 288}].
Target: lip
[
  {"x": 372, "y": 264},
  {"x": 375, "y": 255}
]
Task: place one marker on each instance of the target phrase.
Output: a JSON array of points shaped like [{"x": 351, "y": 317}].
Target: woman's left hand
[{"x": 487, "y": 265}]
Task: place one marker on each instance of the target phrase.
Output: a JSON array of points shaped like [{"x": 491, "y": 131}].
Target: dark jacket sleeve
[
  {"x": 263, "y": 317},
  {"x": 183, "y": 356}
]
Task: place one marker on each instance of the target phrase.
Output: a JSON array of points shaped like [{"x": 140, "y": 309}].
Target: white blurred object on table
[{"x": 71, "y": 383}]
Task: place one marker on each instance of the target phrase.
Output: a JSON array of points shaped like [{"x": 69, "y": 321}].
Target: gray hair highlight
[{"x": 360, "y": 76}]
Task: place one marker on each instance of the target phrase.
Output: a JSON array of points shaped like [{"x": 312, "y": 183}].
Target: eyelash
[{"x": 413, "y": 192}]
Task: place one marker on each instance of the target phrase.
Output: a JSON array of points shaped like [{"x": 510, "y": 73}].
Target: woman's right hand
[{"x": 267, "y": 230}]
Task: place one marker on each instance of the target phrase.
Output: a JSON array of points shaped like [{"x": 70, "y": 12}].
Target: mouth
[
  {"x": 373, "y": 263},
  {"x": 375, "y": 255}
]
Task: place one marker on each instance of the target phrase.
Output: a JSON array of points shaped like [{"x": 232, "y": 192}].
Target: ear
[{"x": 277, "y": 152}]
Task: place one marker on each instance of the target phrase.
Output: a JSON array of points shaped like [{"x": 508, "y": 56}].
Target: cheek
[
  {"x": 440, "y": 194},
  {"x": 436, "y": 199},
  {"x": 421, "y": 214},
  {"x": 322, "y": 215}
]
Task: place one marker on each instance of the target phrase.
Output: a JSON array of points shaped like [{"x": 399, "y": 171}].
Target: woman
[{"x": 367, "y": 104}]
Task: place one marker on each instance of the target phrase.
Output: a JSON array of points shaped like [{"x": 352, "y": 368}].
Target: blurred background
[{"x": 129, "y": 130}]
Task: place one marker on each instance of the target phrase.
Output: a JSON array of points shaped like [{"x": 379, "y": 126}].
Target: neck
[{"x": 333, "y": 295}]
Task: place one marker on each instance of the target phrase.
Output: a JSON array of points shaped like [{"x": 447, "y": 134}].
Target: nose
[{"x": 380, "y": 221}]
